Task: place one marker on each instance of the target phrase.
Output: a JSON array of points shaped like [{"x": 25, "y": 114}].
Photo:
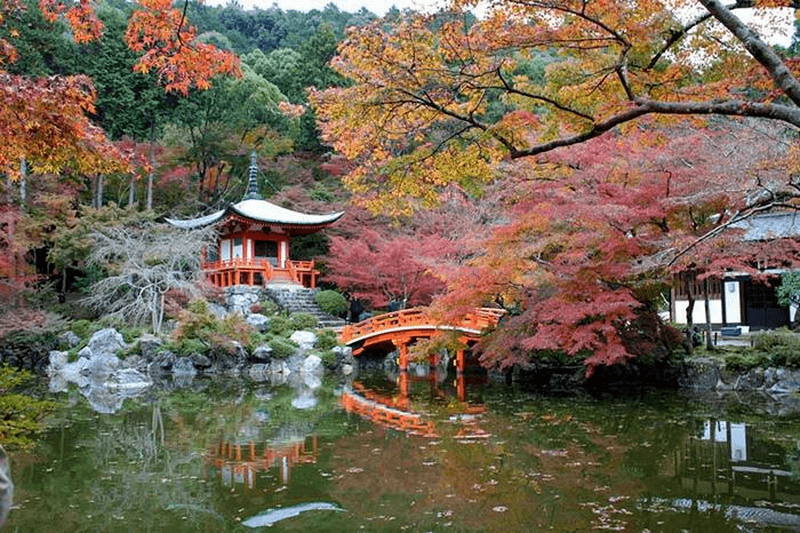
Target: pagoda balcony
[{"x": 259, "y": 272}]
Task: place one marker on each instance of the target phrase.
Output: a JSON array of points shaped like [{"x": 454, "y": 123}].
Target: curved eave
[
  {"x": 197, "y": 222},
  {"x": 269, "y": 213},
  {"x": 262, "y": 212}
]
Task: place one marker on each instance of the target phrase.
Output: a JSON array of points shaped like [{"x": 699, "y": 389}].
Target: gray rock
[
  {"x": 57, "y": 361},
  {"x": 278, "y": 366},
  {"x": 69, "y": 338},
  {"x": 162, "y": 363},
  {"x": 101, "y": 368},
  {"x": 305, "y": 339},
  {"x": 217, "y": 310},
  {"x": 260, "y": 372},
  {"x": 106, "y": 342},
  {"x": 262, "y": 353},
  {"x": 75, "y": 372},
  {"x": 258, "y": 321},
  {"x": 201, "y": 361},
  {"x": 149, "y": 346},
  {"x": 85, "y": 353}
]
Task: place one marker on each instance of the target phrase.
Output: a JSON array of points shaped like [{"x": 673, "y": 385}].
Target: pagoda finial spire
[{"x": 252, "y": 182}]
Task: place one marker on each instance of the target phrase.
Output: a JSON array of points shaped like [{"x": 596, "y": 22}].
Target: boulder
[
  {"x": 201, "y": 361},
  {"x": 69, "y": 338},
  {"x": 149, "y": 345},
  {"x": 58, "y": 360},
  {"x": 106, "y": 342},
  {"x": 162, "y": 363},
  {"x": 217, "y": 310},
  {"x": 262, "y": 353},
  {"x": 305, "y": 339},
  {"x": 258, "y": 321}
]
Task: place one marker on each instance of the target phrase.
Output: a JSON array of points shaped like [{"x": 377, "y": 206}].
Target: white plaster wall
[
  {"x": 699, "y": 314},
  {"x": 733, "y": 309},
  {"x": 225, "y": 249}
]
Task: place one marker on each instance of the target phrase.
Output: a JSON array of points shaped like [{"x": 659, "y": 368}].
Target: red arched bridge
[{"x": 400, "y": 329}]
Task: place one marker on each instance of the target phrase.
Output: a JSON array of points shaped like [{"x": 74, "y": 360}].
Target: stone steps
[{"x": 297, "y": 299}]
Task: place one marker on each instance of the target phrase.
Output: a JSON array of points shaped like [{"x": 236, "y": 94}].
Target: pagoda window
[
  {"x": 225, "y": 249},
  {"x": 266, "y": 250},
  {"x": 238, "y": 249}
]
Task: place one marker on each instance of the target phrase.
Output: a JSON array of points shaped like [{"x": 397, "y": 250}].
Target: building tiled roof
[
  {"x": 260, "y": 211},
  {"x": 770, "y": 226}
]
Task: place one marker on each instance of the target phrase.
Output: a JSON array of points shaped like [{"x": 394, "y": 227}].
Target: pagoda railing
[{"x": 258, "y": 271}]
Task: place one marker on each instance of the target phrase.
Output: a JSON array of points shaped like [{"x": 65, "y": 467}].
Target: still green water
[{"x": 236, "y": 456}]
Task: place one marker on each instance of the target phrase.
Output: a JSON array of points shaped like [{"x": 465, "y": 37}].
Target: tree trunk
[
  {"x": 709, "y": 341},
  {"x": 23, "y": 183},
  {"x": 151, "y": 158},
  {"x": 132, "y": 192},
  {"x": 689, "y": 313}
]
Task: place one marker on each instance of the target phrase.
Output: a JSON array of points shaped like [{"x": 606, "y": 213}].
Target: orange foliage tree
[
  {"x": 448, "y": 99},
  {"x": 44, "y": 122}
]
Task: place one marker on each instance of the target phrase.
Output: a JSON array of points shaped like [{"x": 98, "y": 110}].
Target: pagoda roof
[{"x": 261, "y": 211}]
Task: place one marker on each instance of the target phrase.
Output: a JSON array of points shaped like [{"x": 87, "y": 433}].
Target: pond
[{"x": 409, "y": 453}]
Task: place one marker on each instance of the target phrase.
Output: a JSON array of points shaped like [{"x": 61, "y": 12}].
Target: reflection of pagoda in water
[
  {"x": 239, "y": 463},
  {"x": 725, "y": 459},
  {"x": 395, "y": 410}
]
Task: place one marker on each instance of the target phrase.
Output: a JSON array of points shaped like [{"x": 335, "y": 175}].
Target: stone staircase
[{"x": 298, "y": 299}]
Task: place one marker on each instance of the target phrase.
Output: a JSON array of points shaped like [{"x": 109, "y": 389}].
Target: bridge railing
[{"x": 477, "y": 320}]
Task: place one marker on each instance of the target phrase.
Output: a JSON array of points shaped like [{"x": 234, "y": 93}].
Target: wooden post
[
  {"x": 460, "y": 361},
  {"x": 461, "y": 387},
  {"x": 402, "y": 345}
]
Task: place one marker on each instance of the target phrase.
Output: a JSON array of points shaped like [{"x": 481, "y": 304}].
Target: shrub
[
  {"x": 265, "y": 307},
  {"x": 280, "y": 325},
  {"x": 326, "y": 339},
  {"x": 742, "y": 362},
  {"x": 282, "y": 348},
  {"x": 84, "y": 328},
  {"x": 331, "y": 302},
  {"x": 302, "y": 321},
  {"x": 197, "y": 323},
  {"x": 781, "y": 338},
  {"x": 189, "y": 346},
  {"x": 328, "y": 358}
]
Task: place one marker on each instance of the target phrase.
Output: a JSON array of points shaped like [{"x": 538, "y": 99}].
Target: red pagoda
[{"x": 253, "y": 241}]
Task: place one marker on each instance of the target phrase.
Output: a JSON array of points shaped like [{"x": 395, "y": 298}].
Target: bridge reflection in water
[{"x": 395, "y": 410}]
